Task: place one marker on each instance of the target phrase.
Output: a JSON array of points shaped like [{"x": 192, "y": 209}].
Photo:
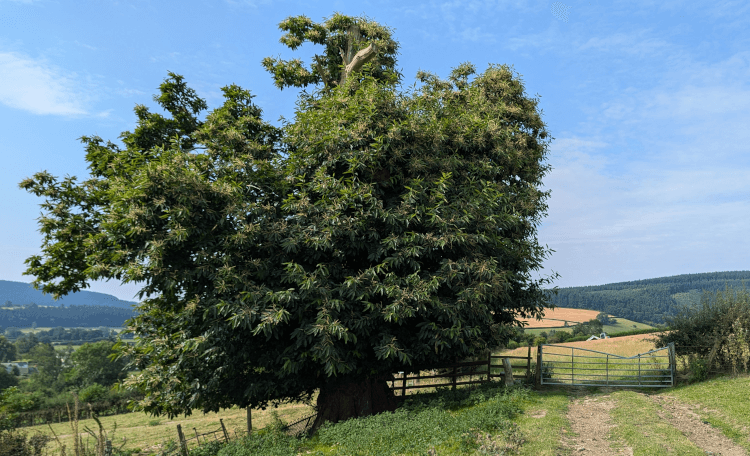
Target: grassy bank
[{"x": 489, "y": 419}]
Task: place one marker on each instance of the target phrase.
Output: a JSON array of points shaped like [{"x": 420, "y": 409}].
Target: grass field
[
  {"x": 711, "y": 417},
  {"x": 45, "y": 328},
  {"x": 146, "y": 433},
  {"x": 622, "y": 325},
  {"x": 623, "y": 346},
  {"x": 559, "y": 315}
]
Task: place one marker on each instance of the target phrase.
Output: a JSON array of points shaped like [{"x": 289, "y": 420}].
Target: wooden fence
[
  {"x": 61, "y": 414},
  {"x": 184, "y": 450},
  {"x": 477, "y": 372}
]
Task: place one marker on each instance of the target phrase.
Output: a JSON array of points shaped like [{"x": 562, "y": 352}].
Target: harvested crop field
[
  {"x": 558, "y": 316},
  {"x": 623, "y": 346}
]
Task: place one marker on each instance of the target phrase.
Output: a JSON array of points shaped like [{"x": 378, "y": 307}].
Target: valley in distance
[{"x": 634, "y": 305}]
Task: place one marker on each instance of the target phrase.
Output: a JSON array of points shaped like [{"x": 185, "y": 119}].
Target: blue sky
[{"x": 648, "y": 102}]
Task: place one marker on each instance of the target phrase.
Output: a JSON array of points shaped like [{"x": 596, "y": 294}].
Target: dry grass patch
[
  {"x": 147, "y": 433},
  {"x": 559, "y": 315},
  {"x": 623, "y": 346}
]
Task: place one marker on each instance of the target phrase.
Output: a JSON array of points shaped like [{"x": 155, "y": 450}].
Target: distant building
[{"x": 23, "y": 367}]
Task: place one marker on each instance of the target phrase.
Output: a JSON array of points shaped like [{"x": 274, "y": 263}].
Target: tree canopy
[
  {"x": 93, "y": 363},
  {"x": 382, "y": 230}
]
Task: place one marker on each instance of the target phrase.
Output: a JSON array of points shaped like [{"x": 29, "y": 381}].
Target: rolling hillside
[
  {"x": 21, "y": 293},
  {"x": 22, "y": 306},
  {"x": 650, "y": 301}
]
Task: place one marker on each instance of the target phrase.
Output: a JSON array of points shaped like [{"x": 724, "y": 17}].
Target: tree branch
[
  {"x": 362, "y": 57},
  {"x": 323, "y": 75}
]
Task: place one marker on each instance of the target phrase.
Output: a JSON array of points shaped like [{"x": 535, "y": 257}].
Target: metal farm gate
[{"x": 573, "y": 366}]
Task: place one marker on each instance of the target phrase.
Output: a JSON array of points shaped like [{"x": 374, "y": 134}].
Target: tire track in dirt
[
  {"x": 590, "y": 422},
  {"x": 703, "y": 435}
]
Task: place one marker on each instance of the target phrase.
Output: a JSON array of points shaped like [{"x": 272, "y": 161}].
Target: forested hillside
[
  {"x": 648, "y": 301},
  {"x": 69, "y": 316},
  {"x": 21, "y": 293}
]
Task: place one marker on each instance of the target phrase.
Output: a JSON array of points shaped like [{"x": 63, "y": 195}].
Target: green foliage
[
  {"x": 94, "y": 363},
  {"x": 717, "y": 331},
  {"x": 698, "y": 369},
  {"x": 12, "y": 402},
  {"x": 7, "y": 379},
  {"x": 450, "y": 421},
  {"x": 262, "y": 443},
  {"x": 7, "y": 350},
  {"x": 73, "y": 315},
  {"x": 210, "y": 448},
  {"x": 605, "y": 319},
  {"x": 49, "y": 366},
  {"x": 590, "y": 328},
  {"x": 378, "y": 231},
  {"x": 17, "y": 443},
  {"x": 342, "y": 38},
  {"x": 93, "y": 393},
  {"x": 25, "y": 343}
]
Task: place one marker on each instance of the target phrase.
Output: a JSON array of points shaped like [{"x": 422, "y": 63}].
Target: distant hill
[
  {"x": 650, "y": 301},
  {"x": 21, "y": 293}
]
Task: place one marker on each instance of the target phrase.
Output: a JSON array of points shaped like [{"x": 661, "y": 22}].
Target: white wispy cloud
[
  {"x": 35, "y": 86},
  {"x": 654, "y": 183}
]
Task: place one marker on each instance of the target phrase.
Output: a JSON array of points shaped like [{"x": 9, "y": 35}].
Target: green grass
[
  {"x": 542, "y": 423},
  {"x": 141, "y": 430},
  {"x": 469, "y": 421},
  {"x": 61, "y": 346},
  {"x": 459, "y": 422},
  {"x": 641, "y": 428},
  {"x": 723, "y": 403},
  {"x": 623, "y": 324}
]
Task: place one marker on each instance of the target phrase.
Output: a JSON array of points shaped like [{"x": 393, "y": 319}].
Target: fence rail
[
  {"x": 61, "y": 414},
  {"x": 575, "y": 366},
  {"x": 456, "y": 373}
]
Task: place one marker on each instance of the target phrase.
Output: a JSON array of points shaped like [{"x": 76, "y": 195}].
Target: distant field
[
  {"x": 623, "y": 324},
  {"x": 559, "y": 315},
  {"x": 62, "y": 346},
  {"x": 45, "y": 328},
  {"x": 623, "y": 346}
]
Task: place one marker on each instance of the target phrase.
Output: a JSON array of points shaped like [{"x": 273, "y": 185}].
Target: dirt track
[{"x": 591, "y": 423}]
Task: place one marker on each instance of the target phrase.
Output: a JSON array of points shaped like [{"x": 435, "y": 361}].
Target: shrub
[
  {"x": 16, "y": 443},
  {"x": 266, "y": 442},
  {"x": 94, "y": 393},
  {"x": 717, "y": 331},
  {"x": 211, "y": 448},
  {"x": 7, "y": 379}
]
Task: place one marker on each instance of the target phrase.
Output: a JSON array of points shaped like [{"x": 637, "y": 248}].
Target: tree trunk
[{"x": 341, "y": 399}]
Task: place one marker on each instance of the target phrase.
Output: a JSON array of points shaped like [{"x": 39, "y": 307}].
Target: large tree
[
  {"x": 380, "y": 231},
  {"x": 94, "y": 363},
  {"x": 7, "y": 350}
]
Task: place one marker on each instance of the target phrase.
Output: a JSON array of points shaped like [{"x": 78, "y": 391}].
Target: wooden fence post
[
  {"x": 489, "y": 367},
  {"x": 528, "y": 364},
  {"x": 223, "y": 428},
  {"x": 107, "y": 448},
  {"x": 183, "y": 443},
  {"x": 249, "y": 421},
  {"x": 538, "y": 366},
  {"x": 403, "y": 384},
  {"x": 454, "y": 378}
]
